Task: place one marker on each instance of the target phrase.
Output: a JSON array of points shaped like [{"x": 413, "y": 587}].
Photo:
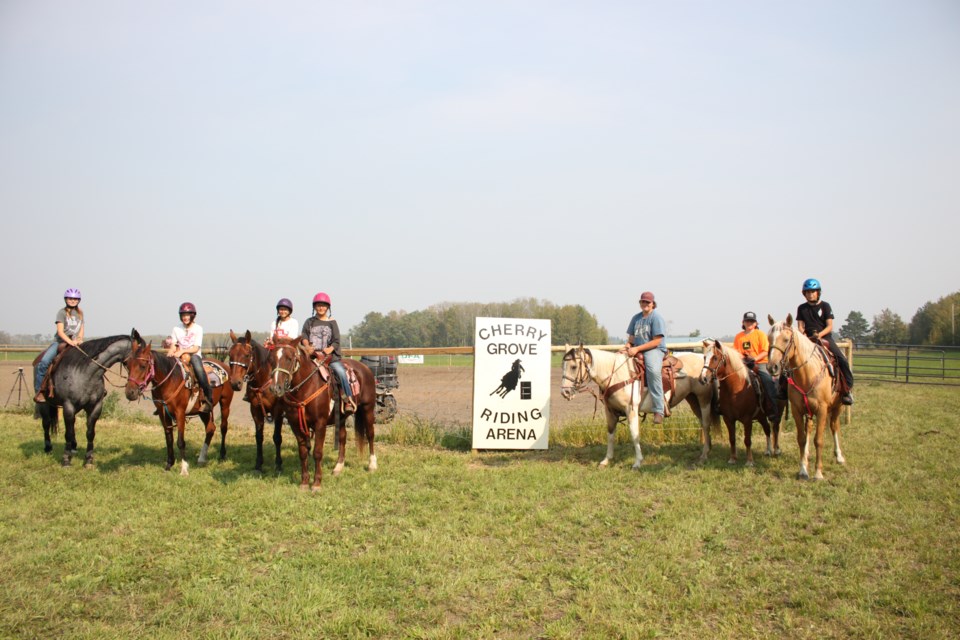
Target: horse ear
[
  {"x": 135, "y": 336},
  {"x": 706, "y": 343},
  {"x": 248, "y": 337},
  {"x": 233, "y": 337},
  {"x": 789, "y": 320},
  {"x": 771, "y": 320}
]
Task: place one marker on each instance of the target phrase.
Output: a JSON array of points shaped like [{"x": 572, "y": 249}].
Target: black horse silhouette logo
[{"x": 509, "y": 381}]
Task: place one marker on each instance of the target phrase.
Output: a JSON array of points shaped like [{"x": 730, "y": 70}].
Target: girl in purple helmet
[
  {"x": 69, "y": 325},
  {"x": 284, "y": 326},
  {"x": 321, "y": 332}
]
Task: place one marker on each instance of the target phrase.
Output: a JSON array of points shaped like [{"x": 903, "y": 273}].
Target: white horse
[{"x": 623, "y": 396}]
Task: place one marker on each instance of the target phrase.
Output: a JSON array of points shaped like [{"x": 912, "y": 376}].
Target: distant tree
[
  {"x": 936, "y": 322},
  {"x": 855, "y": 327},
  {"x": 5, "y": 338},
  {"x": 695, "y": 333},
  {"x": 889, "y": 328}
]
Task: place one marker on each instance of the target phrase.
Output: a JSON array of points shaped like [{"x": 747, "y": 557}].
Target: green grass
[{"x": 446, "y": 543}]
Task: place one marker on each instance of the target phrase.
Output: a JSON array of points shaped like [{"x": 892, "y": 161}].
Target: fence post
[{"x": 908, "y": 363}]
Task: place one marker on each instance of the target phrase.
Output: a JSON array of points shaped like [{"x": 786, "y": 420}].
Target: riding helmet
[
  {"x": 322, "y": 297},
  {"x": 285, "y": 302},
  {"x": 72, "y": 293},
  {"x": 811, "y": 284},
  {"x": 188, "y": 307}
]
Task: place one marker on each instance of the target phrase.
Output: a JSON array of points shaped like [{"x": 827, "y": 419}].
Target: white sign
[
  {"x": 408, "y": 359},
  {"x": 511, "y": 384}
]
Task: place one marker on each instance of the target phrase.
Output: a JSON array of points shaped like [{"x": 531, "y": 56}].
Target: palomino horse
[
  {"x": 811, "y": 391},
  {"x": 737, "y": 398},
  {"x": 580, "y": 365},
  {"x": 78, "y": 386},
  {"x": 250, "y": 361},
  {"x": 174, "y": 401},
  {"x": 309, "y": 403}
]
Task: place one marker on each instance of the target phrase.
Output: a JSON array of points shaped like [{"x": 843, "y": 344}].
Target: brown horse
[
  {"x": 174, "y": 400},
  {"x": 310, "y": 403},
  {"x": 737, "y": 399},
  {"x": 812, "y": 393},
  {"x": 249, "y": 360}
]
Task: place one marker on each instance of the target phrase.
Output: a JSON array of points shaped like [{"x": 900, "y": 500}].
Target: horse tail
[{"x": 360, "y": 428}]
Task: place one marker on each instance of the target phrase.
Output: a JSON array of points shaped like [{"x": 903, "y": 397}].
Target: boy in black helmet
[{"x": 815, "y": 319}]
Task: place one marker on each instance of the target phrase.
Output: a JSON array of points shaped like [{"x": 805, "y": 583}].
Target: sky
[{"x": 402, "y": 154}]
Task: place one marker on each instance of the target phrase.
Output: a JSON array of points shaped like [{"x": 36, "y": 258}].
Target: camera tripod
[{"x": 18, "y": 385}]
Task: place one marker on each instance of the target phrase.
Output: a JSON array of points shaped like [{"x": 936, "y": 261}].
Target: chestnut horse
[
  {"x": 309, "y": 403},
  {"x": 737, "y": 399},
  {"x": 249, "y": 361},
  {"x": 609, "y": 370},
  {"x": 811, "y": 391},
  {"x": 174, "y": 400}
]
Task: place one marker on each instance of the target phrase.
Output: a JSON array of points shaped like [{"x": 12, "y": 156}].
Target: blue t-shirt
[{"x": 646, "y": 329}]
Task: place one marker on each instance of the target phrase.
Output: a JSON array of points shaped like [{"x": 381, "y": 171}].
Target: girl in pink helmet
[
  {"x": 186, "y": 341},
  {"x": 321, "y": 332},
  {"x": 69, "y": 325}
]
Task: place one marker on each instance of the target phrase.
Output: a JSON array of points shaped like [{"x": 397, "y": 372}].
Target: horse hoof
[
  {"x": 603, "y": 463},
  {"x": 304, "y": 487},
  {"x": 732, "y": 461},
  {"x": 184, "y": 468},
  {"x": 315, "y": 489},
  {"x": 803, "y": 475},
  {"x": 65, "y": 462},
  {"x": 337, "y": 470},
  {"x": 47, "y": 448},
  {"x": 749, "y": 463}
]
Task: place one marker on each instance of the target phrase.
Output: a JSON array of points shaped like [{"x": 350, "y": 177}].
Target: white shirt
[
  {"x": 185, "y": 338},
  {"x": 288, "y": 328}
]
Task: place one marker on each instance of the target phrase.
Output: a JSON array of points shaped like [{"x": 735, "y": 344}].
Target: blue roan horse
[{"x": 78, "y": 386}]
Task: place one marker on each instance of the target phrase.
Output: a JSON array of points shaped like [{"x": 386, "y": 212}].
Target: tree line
[
  {"x": 451, "y": 324},
  {"x": 933, "y": 323}
]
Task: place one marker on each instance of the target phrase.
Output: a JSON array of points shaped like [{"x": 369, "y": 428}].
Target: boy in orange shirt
[{"x": 753, "y": 345}]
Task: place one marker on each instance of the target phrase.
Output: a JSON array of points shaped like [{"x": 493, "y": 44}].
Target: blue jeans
[
  {"x": 43, "y": 365},
  {"x": 341, "y": 372},
  {"x": 653, "y": 364}
]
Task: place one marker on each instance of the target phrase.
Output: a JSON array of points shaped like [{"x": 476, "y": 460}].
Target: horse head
[
  {"x": 240, "y": 358},
  {"x": 576, "y": 371},
  {"x": 284, "y": 363},
  {"x": 140, "y": 367},
  {"x": 713, "y": 359},
  {"x": 781, "y": 337}
]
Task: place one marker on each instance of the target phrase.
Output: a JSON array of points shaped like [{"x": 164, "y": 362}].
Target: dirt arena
[{"x": 437, "y": 395}]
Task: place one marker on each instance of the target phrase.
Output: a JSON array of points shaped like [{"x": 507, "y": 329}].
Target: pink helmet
[
  {"x": 72, "y": 293},
  {"x": 322, "y": 297},
  {"x": 188, "y": 307}
]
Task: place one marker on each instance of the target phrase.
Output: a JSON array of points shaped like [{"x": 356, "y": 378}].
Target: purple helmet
[
  {"x": 188, "y": 307},
  {"x": 72, "y": 293},
  {"x": 285, "y": 302}
]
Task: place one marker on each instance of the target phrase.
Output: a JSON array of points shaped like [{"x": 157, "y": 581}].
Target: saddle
[
  {"x": 46, "y": 385},
  {"x": 672, "y": 369},
  {"x": 765, "y": 403},
  {"x": 217, "y": 375},
  {"x": 324, "y": 370},
  {"x": 839, "y": 382}
]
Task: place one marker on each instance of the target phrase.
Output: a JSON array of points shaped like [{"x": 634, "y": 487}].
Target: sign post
[{"x": 511, "y": 384}]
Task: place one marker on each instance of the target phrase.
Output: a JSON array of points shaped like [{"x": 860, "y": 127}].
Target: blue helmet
[{"x": 811, "y": 284}]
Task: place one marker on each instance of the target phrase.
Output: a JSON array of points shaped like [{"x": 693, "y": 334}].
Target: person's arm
[
  {"x": 827, "y": 330},
  {"x": 646, "y": 346},
  {"x": 64, "y": 337},
  {"x": 334, "y": 338},
  {"x": 801, "y": 326}
]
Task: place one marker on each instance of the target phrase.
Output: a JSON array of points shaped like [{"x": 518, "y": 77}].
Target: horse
[
  {"x": 737, "y": 398},
  {"x": 509, "y": 380},
  {"x": 309, "y": 404},
  {"x": 78, "y": 385},
  {"x": 812, "y": 394},
  {"x": 174, "y": 400},
  {"x": 614, "y": 371},
  {"x": 249, "y": 360}
]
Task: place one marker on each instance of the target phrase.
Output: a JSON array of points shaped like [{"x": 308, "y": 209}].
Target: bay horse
[
  {"x": 310, "y": 404},
  {"x": 250, "y": 361},
  {"x": 78, "y": 385},
  {"x": 610, "y": 370},
  {"x": 812, "y": 394},
  {"x": 174, "y": 400},
  {"x": 737, "y": 398}
]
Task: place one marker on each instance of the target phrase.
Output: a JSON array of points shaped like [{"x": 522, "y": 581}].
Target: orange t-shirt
[{"x": 754, "y": 344}]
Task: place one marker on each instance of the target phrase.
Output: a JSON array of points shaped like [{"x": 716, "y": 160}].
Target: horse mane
[
  {"x": 734, "y": 359},
  {"x": 91, "y": 348}
]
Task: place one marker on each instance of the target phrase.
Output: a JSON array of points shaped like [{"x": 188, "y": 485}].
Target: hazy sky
[{"x": 402, "y": 154}]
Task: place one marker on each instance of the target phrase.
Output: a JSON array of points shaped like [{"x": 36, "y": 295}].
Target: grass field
[{"x": 441, "y": 543}]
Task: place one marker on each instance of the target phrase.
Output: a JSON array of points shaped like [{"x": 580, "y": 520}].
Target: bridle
[
  {"x": 582, "y": 378},
  {"x": 290, "y": 372},
  {"x": 722, "y": 361}
]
